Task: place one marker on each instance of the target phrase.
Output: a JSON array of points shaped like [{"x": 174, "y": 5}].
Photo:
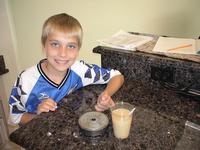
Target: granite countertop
[{"x": 158, "y": 121}]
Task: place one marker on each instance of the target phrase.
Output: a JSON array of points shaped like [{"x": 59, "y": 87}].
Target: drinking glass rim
[{"x": 120, "y": 103}]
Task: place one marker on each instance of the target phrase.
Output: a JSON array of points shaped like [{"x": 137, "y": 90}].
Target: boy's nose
[{"x": 63, "y": 51}]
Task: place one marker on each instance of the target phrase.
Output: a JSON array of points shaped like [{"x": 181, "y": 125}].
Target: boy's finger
[
  {"x": 100, "y": 107},
  {"x": 40, "y": 110},
  {"x": 50, "y": 102},
  {"x": 112, "y": 103},
  {"x": 97, "y": 108},
  {"x": 47, "y": 107},
  {"x": 104, "y": 100}
]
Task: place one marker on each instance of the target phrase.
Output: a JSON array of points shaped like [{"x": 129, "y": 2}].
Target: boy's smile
[{"x": 61, "y": 51}]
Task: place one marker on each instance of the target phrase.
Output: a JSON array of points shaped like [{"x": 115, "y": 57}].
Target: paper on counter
[
  {"x": 125, "y": 40},
  {"x": 177, "y": 45}
]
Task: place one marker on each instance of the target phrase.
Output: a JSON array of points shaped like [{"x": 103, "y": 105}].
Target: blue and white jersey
[{"x": 32, "y": 86}]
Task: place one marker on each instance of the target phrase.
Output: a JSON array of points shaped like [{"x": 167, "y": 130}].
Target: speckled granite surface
[{"x": 159, "y": 121}]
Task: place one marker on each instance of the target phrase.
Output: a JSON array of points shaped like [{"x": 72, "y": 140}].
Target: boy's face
[{"x": 61, "y": 51}]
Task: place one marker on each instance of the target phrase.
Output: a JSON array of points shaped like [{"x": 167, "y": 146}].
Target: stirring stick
[{"x": 131, "y": 111}]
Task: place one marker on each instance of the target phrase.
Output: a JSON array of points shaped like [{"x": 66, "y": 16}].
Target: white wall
[
  {"x": 99, "y": 19},
  {"x": 8, "y": 50}
]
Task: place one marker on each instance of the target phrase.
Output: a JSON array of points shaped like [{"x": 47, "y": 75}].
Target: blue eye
[
  {"x": 72, "y": 46},
  {"x": 55, "y": 44}
]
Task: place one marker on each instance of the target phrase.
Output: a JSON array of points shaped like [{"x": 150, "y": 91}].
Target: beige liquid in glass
[{"x": 121, "y": 122}]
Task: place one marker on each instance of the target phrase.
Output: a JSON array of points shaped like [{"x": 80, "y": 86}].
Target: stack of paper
[
  {"x": 125, "y": 40},
  {"x": 177, "y": 45}
]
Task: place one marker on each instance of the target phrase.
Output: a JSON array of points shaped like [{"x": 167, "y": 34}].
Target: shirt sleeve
[
  {"x": 16, "y": 107},
  {"x": 93, "y": 74}
]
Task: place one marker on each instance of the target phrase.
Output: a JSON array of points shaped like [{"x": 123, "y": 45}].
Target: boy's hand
[
  {"x": 46, "y": 105},
  {"x": 104, "y": 102}
]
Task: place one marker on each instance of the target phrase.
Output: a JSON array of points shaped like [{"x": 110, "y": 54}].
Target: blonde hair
[{"x": 62, "y": 23}]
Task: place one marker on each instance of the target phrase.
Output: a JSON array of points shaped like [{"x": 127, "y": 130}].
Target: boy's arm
[
  {"x": 26, "y": 117},
  {"x": 114, "y": 84},
  {"x": 104, "y": 100}
]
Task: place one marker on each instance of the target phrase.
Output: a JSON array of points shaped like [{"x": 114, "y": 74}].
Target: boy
[{"x": 39, "y": 88}]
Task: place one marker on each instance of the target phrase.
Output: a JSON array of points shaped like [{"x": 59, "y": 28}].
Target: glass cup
[{"x": 121, "y": 119}]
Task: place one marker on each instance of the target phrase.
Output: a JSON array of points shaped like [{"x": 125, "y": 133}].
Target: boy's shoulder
[
  {"x": 29, "y": 72},
  {"x": 79, "y": 63},
  {"x": 80, "y": 66}
]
